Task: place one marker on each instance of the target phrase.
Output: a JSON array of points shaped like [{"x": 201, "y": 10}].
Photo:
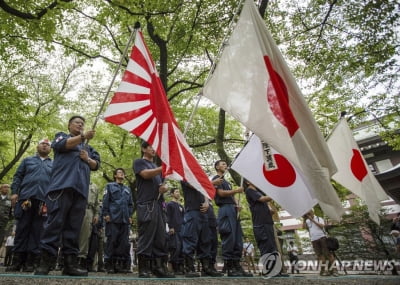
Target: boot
[
  {"x": 100, "y": 266},
  {"x": 117, "y": 266},
  {"x": 110, "y": 268},
  {"x": 182, "y": 268},
  {"x": 17, "y": 262},
  {"x": 125, "y": 266},
  {"x": 60, "y": 262},
  {"x": 89, "y": 266},
  {"x": 231, "y": 269},
  {"x": 107, "y": 264},
  {"x": 83, "y": 263},
  {"x": 189, "y": 268},
  {"x": 160, "y": 268},
  {"x": 46, "y": 261},
  {"x": 207, "y": 270},
  {"x": 144, "y": 267},
  {"x": 71, "y": 267},
  {"x": 239, "y": 268},
  {"x": 36, "y": 261},
  {"x": 178, "y": 268},
  {"x": 28, "y": 265},
  {"x": 212, "y": 267}
]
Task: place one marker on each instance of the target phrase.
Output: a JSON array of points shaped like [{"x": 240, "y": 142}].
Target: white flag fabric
[
  {"x": 285, "y": 184},
  {"x": 253, "y": 83},
  {"x": 353, "y": 171}
]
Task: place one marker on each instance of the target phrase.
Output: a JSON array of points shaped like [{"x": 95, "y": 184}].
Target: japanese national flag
[
  {"x": 353, "y": 171},
  {"x": 252, "y": 82},
  {"x": 284, "y": 184}
]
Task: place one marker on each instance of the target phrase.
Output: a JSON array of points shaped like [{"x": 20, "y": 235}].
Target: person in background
[
  {"x": 5, "y": 211},
  {"x": 9, "y": 247},
  {"x": 117, "y": 213},
  {"x": 293, "y": 256},
  {"x": 66, "y": 197},
  {"x": 90, "y": 221},
  {"x": 212, "y": 225},
  {"x": 96, "y": 243},
  {"x": 175, "y": 214},
  {"x": 152, "y": 245},
  {"x": 248, "y": 253},
  {"x": 315, "y": 226}
]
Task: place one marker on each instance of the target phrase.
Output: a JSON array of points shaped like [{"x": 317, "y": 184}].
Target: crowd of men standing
[{"x": 59, "y": 220}]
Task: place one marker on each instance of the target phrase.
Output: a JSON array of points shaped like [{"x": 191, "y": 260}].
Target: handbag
[{"x": 332, "y": 243}]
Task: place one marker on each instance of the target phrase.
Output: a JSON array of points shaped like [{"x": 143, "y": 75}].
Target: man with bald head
[
  {"x": 29, "y": 185},
  {"x": 5, "y": 210}
]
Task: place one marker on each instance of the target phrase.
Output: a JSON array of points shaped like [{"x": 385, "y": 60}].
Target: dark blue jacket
[
  {"x": 32, "y": 178},
  {"x": 175, "y": 215},
  {"x": 193, "y": 198},
  {"x": 69, "y": 170},
  {"x": 147, "y": 189},
  {"x": 117, "y": 203}
]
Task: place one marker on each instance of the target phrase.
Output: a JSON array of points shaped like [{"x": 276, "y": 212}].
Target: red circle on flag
[
  {"x": 283, "y": 176},
  {"x": 278, "y": 99},
  {"x": 357, "y": 165}
]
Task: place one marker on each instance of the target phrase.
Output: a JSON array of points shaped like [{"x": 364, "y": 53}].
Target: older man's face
[{"x": 4, "y": 189}]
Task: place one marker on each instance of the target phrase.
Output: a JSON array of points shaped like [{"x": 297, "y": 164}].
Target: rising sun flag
[
  {"x": 140, "y": 106},
  {"x": 253, "y": 83}
]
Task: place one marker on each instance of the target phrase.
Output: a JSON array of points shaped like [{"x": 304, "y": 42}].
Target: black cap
[{"x": 145, "y": 144}]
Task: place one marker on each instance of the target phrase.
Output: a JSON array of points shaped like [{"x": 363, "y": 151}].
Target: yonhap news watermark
[{"x": 350, "y": 265}]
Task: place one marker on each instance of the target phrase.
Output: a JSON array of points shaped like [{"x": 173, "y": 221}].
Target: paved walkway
[{"x": 55, "y": 278}]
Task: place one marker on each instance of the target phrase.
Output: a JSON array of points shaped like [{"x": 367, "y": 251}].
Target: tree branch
[{"x": 28, "y": 16}]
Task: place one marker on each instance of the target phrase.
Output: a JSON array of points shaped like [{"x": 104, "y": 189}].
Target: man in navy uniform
[
  {"x": 117, "y": 212},
  {"x": 175, "y": 214},
  {"x": 212, "y": 225},
  {"x": 196, "y": 234},
  {"x": 229, "y": 226},
  {"x": 152, "y": 246},
  {"x": 263, "y": 224},
  {"x": 5, "y": 210},
  {"x": 66, "y": 197},
  {"x": 29, "y": 185}
]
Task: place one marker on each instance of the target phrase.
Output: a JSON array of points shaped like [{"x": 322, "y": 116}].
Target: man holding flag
[
  {"x": 152, "y": 245},
  {"x": 229, "y": 226}
]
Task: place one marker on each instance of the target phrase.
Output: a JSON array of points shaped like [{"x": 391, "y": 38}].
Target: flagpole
[
  {"x": 131, "y": 38},
  {"x": 247, "y": 135},
  {"x": 221, "y": 48},
  {"x": 188, "y": 123}
]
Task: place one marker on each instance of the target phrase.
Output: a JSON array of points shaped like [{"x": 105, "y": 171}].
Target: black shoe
[
  {"x": 46, "y": 261},
  {"x": 72, "y": 268},
  {"x": 144, "y": 266},
  {"x": 160, "y": 269},
  {"x": 240, "y": 270}
]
